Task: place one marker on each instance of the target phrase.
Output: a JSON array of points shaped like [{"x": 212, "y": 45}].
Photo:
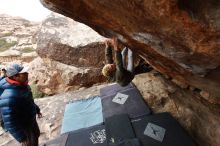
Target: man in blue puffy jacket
[
  {"x": 2, "y": 76},
  {"x": 17, "y": 106}
]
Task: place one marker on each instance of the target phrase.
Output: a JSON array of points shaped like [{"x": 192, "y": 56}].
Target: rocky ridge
[{"x": 19, "y": 34}]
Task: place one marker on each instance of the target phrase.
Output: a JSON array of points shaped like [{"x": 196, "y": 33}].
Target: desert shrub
[
  {"x": 27, "y": 50},
  {"x": 4, "y": 45},
  {"x": 36, "y": 92},
  {"x": 7, "y": 34}
]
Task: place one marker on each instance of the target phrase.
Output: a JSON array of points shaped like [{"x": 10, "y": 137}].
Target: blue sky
[{"x": 32, "y": 10}]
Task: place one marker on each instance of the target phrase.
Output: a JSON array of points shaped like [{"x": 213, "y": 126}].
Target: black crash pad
[
  {"x": 112, "y": 89},
  {"x": 118, "y": 129},
  {"x": 59, "y": 141},
  {"x": 128, "y": 102},
  {"x": 161, "y": 130},
  {"x": 129, "y": 142},
  {"x": 93, "y": 136}
]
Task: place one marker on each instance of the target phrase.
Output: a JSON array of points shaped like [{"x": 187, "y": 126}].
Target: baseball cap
[{"x": 15, "y": 68}]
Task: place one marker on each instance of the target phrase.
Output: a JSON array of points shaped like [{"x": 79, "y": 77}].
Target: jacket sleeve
[
  {"x": 4, "y": 102},
  {"x": 108, "y": 55}
]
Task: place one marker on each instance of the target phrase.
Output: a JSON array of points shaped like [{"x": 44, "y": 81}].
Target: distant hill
[{"x": 17, "y": 34}]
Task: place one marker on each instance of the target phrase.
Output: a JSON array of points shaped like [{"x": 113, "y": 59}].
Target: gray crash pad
[
  {"x": 127, "y": 101},
  {"x": 118, "y": 129},
  {"x": 160, "y": 130},
  {"x": 129, "y": 142}
]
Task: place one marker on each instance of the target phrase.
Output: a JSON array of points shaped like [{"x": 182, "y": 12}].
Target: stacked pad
[
  {"x": 119, "y": 131},
  {"x": 118, "y": 128},
  {"x": 160, "y": 130},
  {"x": 128, "y": 101},
  {"x": 82, "y": 114},
  {"x": 94, "y": 136}
]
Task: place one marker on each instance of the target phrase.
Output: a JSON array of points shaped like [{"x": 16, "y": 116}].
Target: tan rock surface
[
  {"x": 69, "y": 42},
  {"x": 53, "y": 77}
]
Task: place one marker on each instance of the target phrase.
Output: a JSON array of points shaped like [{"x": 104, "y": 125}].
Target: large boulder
[
  {"x": 179, "y": 38},
  {"x": 52, "y": 77},
  {"x": 70, "y": 42},
  {"x": 72, "y": 55}
]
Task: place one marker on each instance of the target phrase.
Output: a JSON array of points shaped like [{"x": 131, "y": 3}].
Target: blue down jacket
[{"x": 17, "y": 108}]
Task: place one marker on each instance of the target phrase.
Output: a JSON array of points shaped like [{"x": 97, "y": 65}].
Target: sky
[{"x": 31, "y": 10}]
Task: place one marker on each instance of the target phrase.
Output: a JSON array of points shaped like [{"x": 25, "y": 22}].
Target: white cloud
[{"x": 29, "y": 9}]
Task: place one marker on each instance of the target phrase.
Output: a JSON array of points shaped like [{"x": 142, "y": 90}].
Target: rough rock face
[
  {"x": 70, "y": 42},
  {"x": 78, "y": 48},
  {"x": 52, "y": 77},
  {"x": 179, "y": 38}
]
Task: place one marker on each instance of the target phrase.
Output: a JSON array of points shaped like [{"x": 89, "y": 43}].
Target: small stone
[
  {"x": 212, "y": 99},
  {"x": 205, "y": 94}
]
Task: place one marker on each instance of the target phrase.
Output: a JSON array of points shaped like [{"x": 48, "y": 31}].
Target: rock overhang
[{"x": 178, "y": 38}]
